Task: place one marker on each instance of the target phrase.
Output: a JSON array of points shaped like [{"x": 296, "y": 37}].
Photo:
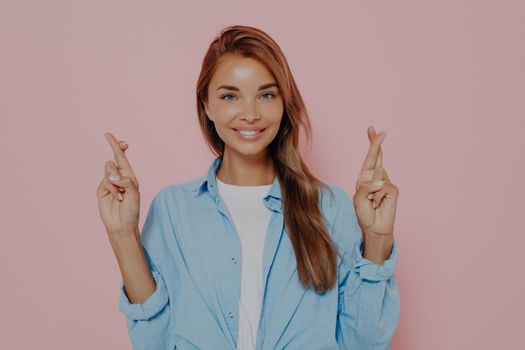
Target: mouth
[{"x": 249, "y": 134}]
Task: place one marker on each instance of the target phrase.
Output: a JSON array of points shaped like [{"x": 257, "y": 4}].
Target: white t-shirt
[{"x": 250, "y": 217}]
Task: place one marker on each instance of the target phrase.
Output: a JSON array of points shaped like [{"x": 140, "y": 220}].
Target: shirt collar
[{"x": 209, "y": 182}]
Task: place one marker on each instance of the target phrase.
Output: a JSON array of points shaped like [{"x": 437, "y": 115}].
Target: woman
[{"x": 256, "y": 253}]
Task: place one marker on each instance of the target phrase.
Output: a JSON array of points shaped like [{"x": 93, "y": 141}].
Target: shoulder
[
  {"x": 178, "y": 189},
  {"x": 180, "y": 196}
]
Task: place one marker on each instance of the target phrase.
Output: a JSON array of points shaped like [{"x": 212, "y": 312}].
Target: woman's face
[{"x": 243, "y": 96}]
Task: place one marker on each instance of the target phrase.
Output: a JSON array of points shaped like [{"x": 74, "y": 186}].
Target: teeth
[{"x": 249, "y": 132}]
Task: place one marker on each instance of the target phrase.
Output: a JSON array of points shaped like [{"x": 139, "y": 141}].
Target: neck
[{"x": 241, "y": 170}]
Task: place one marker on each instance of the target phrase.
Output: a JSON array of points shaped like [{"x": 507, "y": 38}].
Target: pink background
[{"x": 444, "y": 79}]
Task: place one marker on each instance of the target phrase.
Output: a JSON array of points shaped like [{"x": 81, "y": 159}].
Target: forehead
[{"x": 241, "y": 71}]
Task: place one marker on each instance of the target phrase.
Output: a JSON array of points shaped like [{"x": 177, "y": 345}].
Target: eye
[
  {"x": 269, "y": 93},
  {"x": 223, "y": 97}
]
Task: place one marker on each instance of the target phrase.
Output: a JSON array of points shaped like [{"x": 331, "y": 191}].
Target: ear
[{"x": 205, "y": 103}]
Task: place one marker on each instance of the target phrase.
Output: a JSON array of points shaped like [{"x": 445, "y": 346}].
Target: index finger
[
  {"x": 372, "y": 135},
  {"x": 120, "y": 158},
  {"x": 373, "y": 153}
]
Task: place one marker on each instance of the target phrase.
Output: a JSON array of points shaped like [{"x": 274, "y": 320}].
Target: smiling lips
[{"x": 249, "y": 133}]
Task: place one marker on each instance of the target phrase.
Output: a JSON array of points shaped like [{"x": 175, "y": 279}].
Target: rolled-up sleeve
[
  {"x": 150, "y": 307},
  {"x": 369, "y": 301},
  {"x": 148, "y": 322}
]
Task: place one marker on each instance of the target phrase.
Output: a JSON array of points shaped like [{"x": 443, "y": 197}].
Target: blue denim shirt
[{"x": 195, "y": 257}]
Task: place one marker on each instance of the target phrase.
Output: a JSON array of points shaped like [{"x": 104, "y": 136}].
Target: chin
[{"x": 249, "y": 151}]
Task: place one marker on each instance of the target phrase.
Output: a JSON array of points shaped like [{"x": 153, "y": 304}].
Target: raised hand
[
  {"x": 119, "y": 197},
  {"x": 375, "y": 205}
]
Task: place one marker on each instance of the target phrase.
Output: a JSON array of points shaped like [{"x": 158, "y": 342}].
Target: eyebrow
[{"x": 234, "y": 88}]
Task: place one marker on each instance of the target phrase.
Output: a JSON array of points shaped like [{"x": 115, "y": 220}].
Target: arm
[
  {"x": 136, "y": 274},
  {"x": 143, "y": 293},
  {"x": 369, "y": 303}
]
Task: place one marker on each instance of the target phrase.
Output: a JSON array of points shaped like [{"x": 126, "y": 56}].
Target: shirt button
[
  {"x": 234, "y": 261},
  {"x": 230, "y": 314}
]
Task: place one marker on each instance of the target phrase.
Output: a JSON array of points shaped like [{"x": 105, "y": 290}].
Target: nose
[{"x": 249, "y": 112}]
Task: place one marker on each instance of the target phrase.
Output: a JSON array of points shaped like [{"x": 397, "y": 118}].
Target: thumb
[
  {"x": 127, "y": 184},
  {"x": 366, "y": 188}
]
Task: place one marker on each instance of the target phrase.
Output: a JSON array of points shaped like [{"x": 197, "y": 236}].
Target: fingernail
[
  {"x": 114, "y": 177},
  {"x": 120, "y": 196},
  {"x": 377, "y": 183}
]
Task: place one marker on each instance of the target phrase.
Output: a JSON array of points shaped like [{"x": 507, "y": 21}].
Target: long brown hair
[{"x": 314, "y": 249}]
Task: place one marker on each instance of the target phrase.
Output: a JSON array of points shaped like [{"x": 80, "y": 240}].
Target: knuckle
[
  {"x": 113, "y": 190},
  {"x": 100, "y": 188},
  {"x": 108, "y": 185},
  {"x": 110, "y": 167},
  {"x": 127, "y": 180}
]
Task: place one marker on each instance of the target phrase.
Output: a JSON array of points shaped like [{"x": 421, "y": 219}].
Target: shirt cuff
[
  {"x": 151, "y": 306},
  {"x": 370, "y": 271}
]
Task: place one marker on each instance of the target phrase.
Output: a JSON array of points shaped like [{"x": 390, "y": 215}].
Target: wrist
[
  {"x": 124, "y": 238},
  {"x": 377, "y": 248}
]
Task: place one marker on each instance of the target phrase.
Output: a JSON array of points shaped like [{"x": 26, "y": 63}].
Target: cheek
[
  {"x": 276, "y": 110},
  {"x": 222, "y": 117},
  {"x": 214, "y": 109},
  {"x": 276, "y": 114},
  {"x": 223, "y": 109},
  {"x": 275, "y": 125}
]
